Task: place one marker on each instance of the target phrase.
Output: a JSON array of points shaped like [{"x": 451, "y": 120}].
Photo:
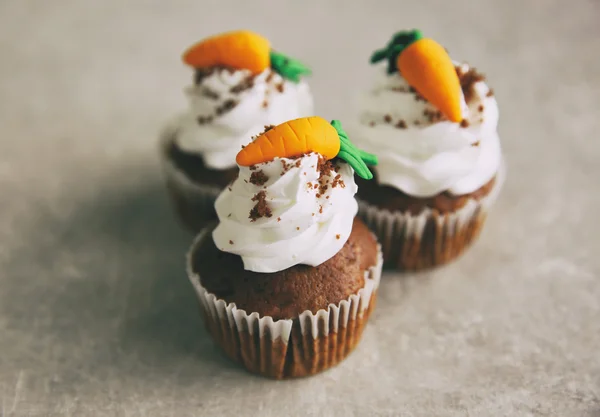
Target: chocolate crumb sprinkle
[
  {"x": 261, "y": 208},
  {"x": 401, "y": 124},
  {"x": 258, "y": 178},
  {"x": 464, "y": 123},
  {"x": 231, "y": 242},
  {"x": 371, "y": 123},
  {"x": 337, "y": 237},
  {"x": 490, "y": 93},
  {"x": 227, "y": 105},
  {"x": 279, "y": 87},
  {"x": 480, "y": 108},
  {"x": 387, "y": 118}
]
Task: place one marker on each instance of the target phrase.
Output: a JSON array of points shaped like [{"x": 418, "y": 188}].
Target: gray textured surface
[{"x": 96, "y": 315}]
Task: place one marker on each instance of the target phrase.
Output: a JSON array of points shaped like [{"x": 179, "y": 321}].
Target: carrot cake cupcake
[
  {"x": 240, "y": 85},
  {"x": 288, "y": 276},
  {"x": 433, "y": 124}
]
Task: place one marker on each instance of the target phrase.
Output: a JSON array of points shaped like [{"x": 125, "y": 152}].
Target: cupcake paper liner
[
  {"x": 415, "y": 242},
  {"x": 288, "y": 348},
  {"x": 193, "y": 202}
]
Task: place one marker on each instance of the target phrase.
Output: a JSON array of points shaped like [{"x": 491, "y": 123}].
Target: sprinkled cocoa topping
[
  {"x": 261, "y": 208},
  {"x": 231, "y": 242},
  {"x": 269, "y": 77},
  {"x": 490, "y": 93},
  {"x": 279, "y": 87},
  {"x": 468, "y": 80},
  {"x": 399, "y": 89},
  {"x": 371, "y": 123},
  {"x": 337, "y": 180},
  {"x": 258, "y": 178},
  {"x": 432, "y": 115},
  {"x": 202, "y": 120},
  {"x": 297, "y": 227},
  {"x": 246, "y": 84},
  {"x": 265, "y": 103},
  {"x": 321, "y": 209},
  {"x": 387, "y": 118},
  {"x": 202, "y": 73},
  {"x": 207, "y": 92},
  {"x": 464, "y": 123},
  {"x": 475, "y": 144},
  {"x": 418, "y": 97},
  {"x": 229, "y": 215},
  {"x": 278, "y": 219},
  {"x": 253, "y": 167},
  {"x": 337, "y": 236},
  {"x": 417, "y": 122},
  {"x": 480, "y": 108},
  {"x": 227, "y": 105},
  {"x": 401, "y": 124}
]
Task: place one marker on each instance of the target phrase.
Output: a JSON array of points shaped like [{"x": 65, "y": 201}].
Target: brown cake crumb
[
  {"x": 265, "y": 130},
  {"x": 207, "y": 92},
  {"x": 490, "y": 93},
  {"x": 387, "y": 118},
  {"x": 265, "y": 103},
  {"x": 480, "y": 108},
  {"x": 320, "y": 209},
  {"x": 468, "y": 80},
  {"x": 202, "y": 73},
  {"x": 261, "y": 208},
  {"x": 337, "y": 180},
  {"x": 246, "y": 84},
  {"x": 227, "y": 105},
  {"x": 475, "y": 144},
  {"x": 202, "y": 120},
  {"x": 231, "y": 242},
  {"x": 278, "y": 219},
  {"x": 253, "y": 167},
  {"x": 269, "y": 77},
  {"x": 297, "y": 227},
  {"x": 418, "y": 97},
  {"x": 279, "y": 87},
  {"x": 401, "y": 124},
  {"x": 337, "y": 236},
  {"x": 258, "y": 178},
  {"x": 464, "y": 123}
]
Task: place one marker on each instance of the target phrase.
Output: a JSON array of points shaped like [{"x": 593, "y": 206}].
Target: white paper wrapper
[
  {"x": 287, "y": 348},
  {"x": 414, "y": 242},
  {"x": 193, "y": 202}
]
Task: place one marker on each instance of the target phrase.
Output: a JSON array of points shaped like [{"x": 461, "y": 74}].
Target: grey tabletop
[{"x": 97, "y": 317}]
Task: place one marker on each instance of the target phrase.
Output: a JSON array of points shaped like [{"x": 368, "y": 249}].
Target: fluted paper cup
[
  {"x": 193, "y": 202},
  {"x": 287, "y": 348},
  {"x": 415, "y": 242}
]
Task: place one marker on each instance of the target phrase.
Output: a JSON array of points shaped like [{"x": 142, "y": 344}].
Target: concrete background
[{"x": 96, "y": 315}]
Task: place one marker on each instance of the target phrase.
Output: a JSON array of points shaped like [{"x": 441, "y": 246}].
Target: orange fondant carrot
[
  {"x": 426, "y": 66},
  {"x": 241, "y": 49},
  {"x": 300, "y": 136}
]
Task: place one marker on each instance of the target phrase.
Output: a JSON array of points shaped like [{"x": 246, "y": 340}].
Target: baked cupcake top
[
  {"x": 293, "y": 201},
  {"x": 240, "y": 85},
  {"x": 431, "y": 121}
]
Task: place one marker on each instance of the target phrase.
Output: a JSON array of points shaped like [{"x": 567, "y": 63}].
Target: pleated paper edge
[
  {"x": 349, "y": 309},
  {"x": 415, "y": 225}
]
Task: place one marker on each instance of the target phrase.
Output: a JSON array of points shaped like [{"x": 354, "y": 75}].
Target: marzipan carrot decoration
[
  {"x": 426, "y": 66},
  {"x": 243, "y": 49},
  {"x": 308, "y": 134}
]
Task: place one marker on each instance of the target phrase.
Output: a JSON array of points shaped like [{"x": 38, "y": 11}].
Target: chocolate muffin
[
  {"x": 288, "y": 277},
  {"x": 231, "y": 99},
  {"x": 434, "y": 129},
  {"x": 286, "y": 297}
]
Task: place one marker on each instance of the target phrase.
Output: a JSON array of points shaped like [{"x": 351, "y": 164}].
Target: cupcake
[
  {"x": 240, "y": 86},
  {"x": 432, "y": 122},
  {"x": 288, "y": 276}
]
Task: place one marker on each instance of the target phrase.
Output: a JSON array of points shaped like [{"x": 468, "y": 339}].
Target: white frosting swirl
[
  {"x": 270, "y": 100},
  {"x": 307, "y": 225},
  {"x": 428, "y": 157}
]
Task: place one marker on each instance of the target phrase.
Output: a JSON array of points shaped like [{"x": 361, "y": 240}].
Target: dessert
[
  {"x": 240, "y": 85},
  {"x": 288, "y": 277},
  {"x": 432, "y": 122}
]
